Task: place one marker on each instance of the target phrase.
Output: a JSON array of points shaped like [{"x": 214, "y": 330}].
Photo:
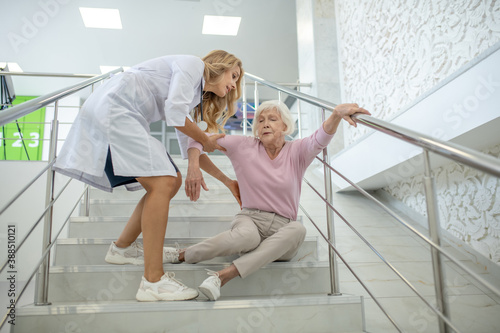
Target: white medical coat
[{"x": 118, "y": 114}]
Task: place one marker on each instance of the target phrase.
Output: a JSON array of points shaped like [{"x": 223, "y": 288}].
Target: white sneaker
[
  {"x": 211, "y": 286},
  {"x": 167, "y": 289},
  {"x": 171, "y": 255},
  {"x": 134, "y": 254}
]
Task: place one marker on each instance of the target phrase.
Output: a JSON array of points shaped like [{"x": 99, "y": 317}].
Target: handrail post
[
  {"x": 245, "y": 117},
  {"x": 299, "y": 121},
  {"x": 434, "y": 233},
  {"x": 86, "y": 201},
  {"x": 42, "y": 286},
  {"x": 86, "y": 196},
  {"x": 279, "y": 96},
  {"x": 332, "y": 257},
  {"x": 256, "y": 95}
]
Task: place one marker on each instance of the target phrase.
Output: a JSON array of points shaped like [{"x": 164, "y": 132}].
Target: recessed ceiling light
[
  {"x": 107, "y": 69},
  {"x": 13, "y": 66},
  {"x": 221, "y": 25},
  {"x": 103, "y": 18}
]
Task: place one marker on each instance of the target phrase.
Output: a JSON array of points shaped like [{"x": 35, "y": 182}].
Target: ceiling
[{"x": 49, "y": 36}]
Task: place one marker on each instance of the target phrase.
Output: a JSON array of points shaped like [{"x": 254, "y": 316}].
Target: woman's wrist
[
  {"x": 336, "y": 113},
  {"x": 227, "y": 181}
]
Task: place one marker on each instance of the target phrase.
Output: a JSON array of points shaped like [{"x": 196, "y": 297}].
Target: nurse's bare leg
[
  {"x": 159, "y": 192},
  {"x": 133, "y": 227}
]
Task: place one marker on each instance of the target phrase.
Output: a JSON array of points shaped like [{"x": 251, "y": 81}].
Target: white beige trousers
[{"x": 259, "y": 238}]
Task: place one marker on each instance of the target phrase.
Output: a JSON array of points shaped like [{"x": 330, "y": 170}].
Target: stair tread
[
  {"x": 172, "y": 202},
  {"x": 225, "y": 302},
  {"x": 107, "y": 241},
  {"x": 93, "y": 219},
  {"x": 174, "y": 267}
]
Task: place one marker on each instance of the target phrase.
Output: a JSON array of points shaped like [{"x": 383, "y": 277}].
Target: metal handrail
[
  {"x": 49, "y": 206},
  {"x": 385, "y": 261},
  {"x": 294, "y": 93},
  {"x": 19, "y": 111},
  {"x": 25, "y": 108},
  {"x": 48, "y": 74},
  {"x": 449, "y": 150},
  {"x": 44, "y": 255},
  {"x": 283, "y": 84},
  {"x": 415, "y": 231},
  {"x": 375, "y": 299},
  {"x": 4, "y": 208}
]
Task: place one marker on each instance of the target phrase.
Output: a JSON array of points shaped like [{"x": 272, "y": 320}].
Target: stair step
[
  {"x": 89, "y": 251},
  {"x": 178, "y": 207},
  {"x": 120, "y": 282},
  {"x": 177, "y": 227},
  {"x": 221, "y": 161},
  {"x": 278, "y": 313},
  {"x": 215, "y": 191}
]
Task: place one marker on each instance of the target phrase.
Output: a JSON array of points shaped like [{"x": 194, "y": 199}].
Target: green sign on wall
[{"x": 31, "y": 126}]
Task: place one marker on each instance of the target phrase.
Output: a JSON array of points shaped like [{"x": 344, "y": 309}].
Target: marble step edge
[
  {"x": 217, "y": 185},
  {"x": 64, "y": 308},
  {"x": 109, "y": 268},
  {"x": 121, "y": 219},
  {"x": 107, "y": 241},
  {"x": 172, "y": 202}
]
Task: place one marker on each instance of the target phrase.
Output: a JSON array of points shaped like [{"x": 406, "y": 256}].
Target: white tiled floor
[{"x": 471, "y": 309}]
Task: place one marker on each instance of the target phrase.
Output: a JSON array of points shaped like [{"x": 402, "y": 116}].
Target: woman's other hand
[{"x": 235, "y": 190}]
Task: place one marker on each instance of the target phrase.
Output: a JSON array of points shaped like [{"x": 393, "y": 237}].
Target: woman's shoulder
[{"x": 242, "y": 138}]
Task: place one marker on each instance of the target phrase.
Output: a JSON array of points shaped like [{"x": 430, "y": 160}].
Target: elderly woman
[{"x": 269, "y": 172}]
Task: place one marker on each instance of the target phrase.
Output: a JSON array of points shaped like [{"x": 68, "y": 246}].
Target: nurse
[{"x": 110, "y": 145}]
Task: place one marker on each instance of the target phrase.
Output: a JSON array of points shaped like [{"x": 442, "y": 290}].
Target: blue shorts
[{"x": 120, "y": 180}]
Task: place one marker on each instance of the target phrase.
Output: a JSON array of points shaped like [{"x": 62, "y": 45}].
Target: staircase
[{"x": 89, "y": 295}]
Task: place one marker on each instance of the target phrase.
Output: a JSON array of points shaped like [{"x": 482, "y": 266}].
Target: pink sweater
[{"x": 271, "y": 185}]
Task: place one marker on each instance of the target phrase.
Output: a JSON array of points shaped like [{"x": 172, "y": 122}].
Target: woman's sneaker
[
  {"x": 171, "y": 255},
  {"x": 167, "y": 289},
  {"x": 211, "y": 286},
  {"x": 134, "y": 254}
]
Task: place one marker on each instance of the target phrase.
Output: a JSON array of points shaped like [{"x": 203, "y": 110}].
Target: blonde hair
[
  {"x": 282, "y": 109},
  {"x": 217, "y": 110}
]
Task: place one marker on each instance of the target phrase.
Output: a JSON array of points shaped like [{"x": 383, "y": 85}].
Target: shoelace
[
  {"x": 213, "y": 273},
  {"x": 171, "y": 276},
  {"x": 138, "y": 247}
]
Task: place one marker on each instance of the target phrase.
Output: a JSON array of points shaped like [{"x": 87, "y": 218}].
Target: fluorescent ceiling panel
[
  {"x": 103, "y": 18},
  {"x": 221, "y": 25},
  {"x": 13, "y": 66}
]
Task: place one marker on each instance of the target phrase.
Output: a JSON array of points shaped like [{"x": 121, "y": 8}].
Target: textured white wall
[{"x": 391, "y": 53}]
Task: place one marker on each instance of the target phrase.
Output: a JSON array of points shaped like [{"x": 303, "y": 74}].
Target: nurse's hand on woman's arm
[{"x": 209, "y": 143}]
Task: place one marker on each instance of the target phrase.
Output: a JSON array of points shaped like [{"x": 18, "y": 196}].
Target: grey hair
[{"x": 282, "y": 109}]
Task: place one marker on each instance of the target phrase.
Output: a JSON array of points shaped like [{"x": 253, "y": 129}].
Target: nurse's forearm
[
  {"x": 193, "y": 158},
  {"x": 193, "y": 131}
]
